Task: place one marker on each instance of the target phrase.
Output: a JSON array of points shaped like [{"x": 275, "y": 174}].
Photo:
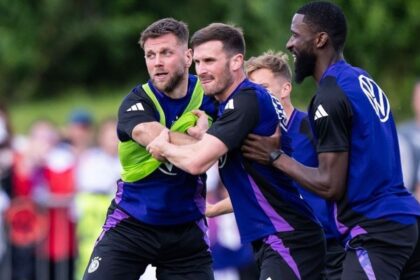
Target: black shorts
[
  {"x": 334, "y": 259},
  {"x": 178, "y": 252},
  {"x": 291, "y": 255},
  {"x": 391, "y": 254}
]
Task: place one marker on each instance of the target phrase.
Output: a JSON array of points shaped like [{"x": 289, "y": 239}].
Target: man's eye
[{"x": 167, "y": 53}]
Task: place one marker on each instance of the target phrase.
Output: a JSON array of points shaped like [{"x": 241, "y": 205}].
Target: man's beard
[
  {"x": 173, "y": 82},
  {"x": 304, "y": 66}
]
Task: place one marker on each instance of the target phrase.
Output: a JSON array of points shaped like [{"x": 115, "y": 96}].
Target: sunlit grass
[{"x": 59, "y": 109}]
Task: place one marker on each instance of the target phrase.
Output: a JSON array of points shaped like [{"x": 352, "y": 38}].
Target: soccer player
[
  {"x": 272, "y": 71},
  {"x": 288, "y": 242},
  {"x": 157, "y": 215},
  {"x": 359, "y": 161}
]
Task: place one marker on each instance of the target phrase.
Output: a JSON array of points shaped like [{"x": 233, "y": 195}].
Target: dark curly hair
[{"x": 326, "y": 17}]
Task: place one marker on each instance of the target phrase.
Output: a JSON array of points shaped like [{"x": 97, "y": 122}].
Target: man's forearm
[
  {"x": 220, "y": 208},
  {"x": 304, "y": 175},
  {"x": 179, "y": 138},
  {"x": 328, "y": 180}
]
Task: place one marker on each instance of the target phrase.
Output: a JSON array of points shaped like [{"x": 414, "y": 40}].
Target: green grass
[{"x": 59, "y": 109}]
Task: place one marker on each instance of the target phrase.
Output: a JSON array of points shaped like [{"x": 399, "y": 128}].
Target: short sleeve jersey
[
  {"x": 264, "y": 199},
  {"x": 303, "y": 146},
  {"x": 168, "y": 195},
  {"x": 351, "y": 113}
]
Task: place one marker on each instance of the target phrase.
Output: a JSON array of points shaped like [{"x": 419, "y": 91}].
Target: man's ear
[
  {"x": 286, "y": 89},
  {"x": 188, "y": 56},
  {"x": 237, "y": 62},
  {"x": 322, "y": 39}
]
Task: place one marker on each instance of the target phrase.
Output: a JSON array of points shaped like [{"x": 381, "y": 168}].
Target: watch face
[{"x": 275, "y": 155}]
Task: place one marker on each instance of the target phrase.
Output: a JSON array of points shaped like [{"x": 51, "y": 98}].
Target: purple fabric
[
  {"x": 357, "y": 230},
  {"x": 341, "y": 227},
  {"x": 279, "y": 223},
  {"x": 112, "y": 221},
  {"x": 364, "y": 261},
  {"x": 277, "y": 245},
  {"x": 202, "y": 225},
  {"x": 198, "y": 197},
  {"x": 120, "y": 188}
]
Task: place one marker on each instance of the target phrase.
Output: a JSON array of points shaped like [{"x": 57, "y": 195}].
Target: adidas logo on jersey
[
  {"x": 320, "y": 113},
  {"x": 136, "y": 107},
  {"x": 229, "y": 105}
]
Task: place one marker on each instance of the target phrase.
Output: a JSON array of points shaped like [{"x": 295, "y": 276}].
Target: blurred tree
[{"x": 50, "y": 46}]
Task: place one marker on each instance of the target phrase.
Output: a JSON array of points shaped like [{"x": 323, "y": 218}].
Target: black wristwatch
[{"x": 274, "y": 155}]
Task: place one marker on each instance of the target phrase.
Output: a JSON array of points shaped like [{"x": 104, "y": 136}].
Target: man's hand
[
  {"x": 155, "y": 148},
  {"x": 258, "y": 148},
  {"x": 211, "y": 210},
  {"x": 201, "y": 126},
  {"x": 222, "y": 207}
]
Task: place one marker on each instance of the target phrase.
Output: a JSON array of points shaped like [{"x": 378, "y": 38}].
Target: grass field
[{"x": 59, "y": 109}]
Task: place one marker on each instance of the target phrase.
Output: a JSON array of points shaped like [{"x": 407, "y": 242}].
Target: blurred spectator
[
  {"x": 410, "y": 139},
  {"x": 43, "y": 191},
  {"x": 231, "y": 259},
  {"x": 79, "y": 132},
  {"x": 6, "y": 153},
  {"x": 97, "y": 172},
  {"x": 407, "y": 160},
  {"x": 6, "y": 161}
]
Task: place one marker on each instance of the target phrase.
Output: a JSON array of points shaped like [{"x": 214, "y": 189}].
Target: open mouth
[
  {"x": 161, "y": 75},
  {"x": 205, "y": 79}
]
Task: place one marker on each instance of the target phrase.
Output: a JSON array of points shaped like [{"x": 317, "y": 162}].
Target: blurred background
[
  {"x": 55, "y": 54},
  {"x": 65, "y": 66}
]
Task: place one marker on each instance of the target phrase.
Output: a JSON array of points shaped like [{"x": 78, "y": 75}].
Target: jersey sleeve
[
  {"x": 136, "y": 108},
  {"x": 331, "y": 115},
  {"x": 240, "y": 116}
]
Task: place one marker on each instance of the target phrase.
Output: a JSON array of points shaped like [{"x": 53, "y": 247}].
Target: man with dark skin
[{"x": 359, "y": 162}]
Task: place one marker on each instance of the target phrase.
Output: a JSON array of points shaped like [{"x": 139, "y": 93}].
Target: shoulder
[
  {"x": 137, "y": 97},
  {"x": 330, "y": 92},
  {"x": 244, "y": 98}
]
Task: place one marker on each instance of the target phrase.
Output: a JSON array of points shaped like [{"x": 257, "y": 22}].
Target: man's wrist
[{"x": 275, "y": 155}]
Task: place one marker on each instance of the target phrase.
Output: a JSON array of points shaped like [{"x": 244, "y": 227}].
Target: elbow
[
  {"x": 332, "y": 196},
  {"x": 334, "y": 193}
]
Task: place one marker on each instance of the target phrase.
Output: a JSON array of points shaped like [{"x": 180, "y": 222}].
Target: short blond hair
[{"x": 278, "y": 63}]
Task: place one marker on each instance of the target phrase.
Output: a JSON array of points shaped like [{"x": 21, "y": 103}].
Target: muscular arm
[
  {"x": 222, "y": 207},
  {"x": 144, "y": 133},
  {"x": 328, "y": 180},
  {"x": 193, "y": 158}
]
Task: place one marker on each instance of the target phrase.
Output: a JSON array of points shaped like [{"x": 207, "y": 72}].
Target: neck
[
  {"x": 288, "y": 110},
  {"x": 324, "y": 62},
  {"x": 180, "y": 90}
]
